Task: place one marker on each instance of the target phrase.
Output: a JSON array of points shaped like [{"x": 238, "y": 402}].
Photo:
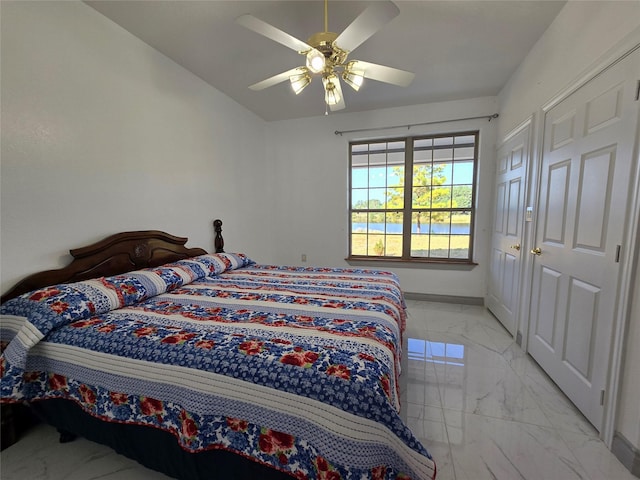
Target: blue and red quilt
[{"x": 295, "y": 368}]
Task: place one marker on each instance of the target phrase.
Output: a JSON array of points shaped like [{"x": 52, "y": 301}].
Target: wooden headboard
[{"x": 116, "y": 254}]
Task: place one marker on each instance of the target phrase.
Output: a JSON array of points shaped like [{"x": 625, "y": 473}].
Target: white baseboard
[
  {"x": 628, "y": 455},
  {"x": 430, "y": 297}
]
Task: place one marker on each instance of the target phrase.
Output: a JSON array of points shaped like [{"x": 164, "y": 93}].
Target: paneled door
[
  {"x": 586, "y": 167},
  {"x": 504, "y": 280}
]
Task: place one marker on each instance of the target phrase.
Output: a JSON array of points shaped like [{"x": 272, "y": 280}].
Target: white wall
[
  {"x": 101, "y": 134},
  {"x": 582, "y": 34},
  {"x": 310, "y": 167}
]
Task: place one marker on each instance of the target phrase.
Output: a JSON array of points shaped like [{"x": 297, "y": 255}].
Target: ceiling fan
[{"x": 326, "y": 54}]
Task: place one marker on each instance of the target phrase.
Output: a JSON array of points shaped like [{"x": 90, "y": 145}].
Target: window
[{"x": 412, "y": 198}]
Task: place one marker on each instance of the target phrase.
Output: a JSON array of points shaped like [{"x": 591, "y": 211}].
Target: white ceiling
[{"x": 457, "y": 49}]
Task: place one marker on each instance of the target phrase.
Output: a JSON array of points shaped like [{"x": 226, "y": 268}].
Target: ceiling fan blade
[
  {"x": 279, "y": 78},
  {"x": 340, "y": 105},
  {"x": 273, "y": 33},
  {"x": 382, "y": 73},
  {"x": 366, "y": 24}
]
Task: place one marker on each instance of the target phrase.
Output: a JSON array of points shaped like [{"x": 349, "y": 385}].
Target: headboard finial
[{"x": 219, "y": 241}]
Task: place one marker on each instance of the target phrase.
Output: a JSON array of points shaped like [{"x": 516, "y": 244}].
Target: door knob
[
  {"x": 516, "y": 247},
  {"x": 536, "y": 251}
]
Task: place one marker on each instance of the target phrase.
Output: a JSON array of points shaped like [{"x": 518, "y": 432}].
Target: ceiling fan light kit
[
  {"x": 326, "y": 54},
  {"x": 315, "y": 61},
  {"x": 300, "y": 81},
  {"x": 333, "y": 92},
  {"x": 353, "y": 78}
]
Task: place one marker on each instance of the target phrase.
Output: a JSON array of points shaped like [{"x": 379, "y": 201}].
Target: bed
[{"x": 211, "y": 365}]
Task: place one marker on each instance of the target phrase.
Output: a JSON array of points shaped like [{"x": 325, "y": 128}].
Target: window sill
[{"x": 413, "y": 263}]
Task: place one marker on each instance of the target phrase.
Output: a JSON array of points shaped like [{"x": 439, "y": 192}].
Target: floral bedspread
[{"x": 296, "y": 368}]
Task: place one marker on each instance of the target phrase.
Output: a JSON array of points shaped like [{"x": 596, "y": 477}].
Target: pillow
[
  {"x": 218, "y": 263},
  {"x": 80, "y": 300}
]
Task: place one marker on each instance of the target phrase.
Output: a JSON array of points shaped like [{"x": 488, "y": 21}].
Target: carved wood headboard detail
[{"x": 114, "y": 255}]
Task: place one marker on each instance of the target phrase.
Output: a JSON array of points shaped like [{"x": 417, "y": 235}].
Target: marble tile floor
[{"x": 482, "y": 407}]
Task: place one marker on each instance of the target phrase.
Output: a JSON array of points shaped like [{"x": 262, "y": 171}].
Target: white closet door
[
  {"x": 586, "y": 168},
  {"x": 504, "y": 283}
]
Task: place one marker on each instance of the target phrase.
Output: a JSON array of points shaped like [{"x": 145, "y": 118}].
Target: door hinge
[
  {"x": 618, "y": 249},
  {"x": 601, "y": 397}
]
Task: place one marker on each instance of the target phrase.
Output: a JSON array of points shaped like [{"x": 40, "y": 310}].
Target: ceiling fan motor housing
[{"x": 323, "y": 42}]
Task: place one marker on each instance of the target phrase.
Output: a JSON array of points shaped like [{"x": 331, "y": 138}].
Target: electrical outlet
[{"x": 304, "y": 257}]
